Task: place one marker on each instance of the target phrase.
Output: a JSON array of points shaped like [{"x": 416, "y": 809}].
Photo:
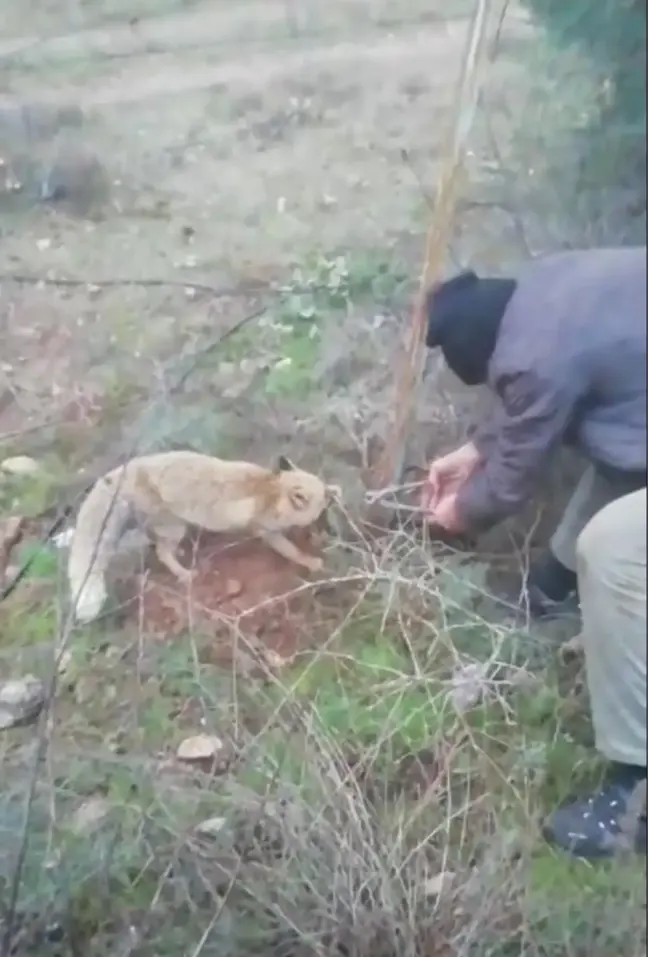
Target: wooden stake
[{"x": 388, "y": 470}]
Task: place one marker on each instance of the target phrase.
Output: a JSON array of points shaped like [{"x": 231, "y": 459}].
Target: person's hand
[
  {"x": 447, "y": 474},
  {"x": 446, "y": 516}
]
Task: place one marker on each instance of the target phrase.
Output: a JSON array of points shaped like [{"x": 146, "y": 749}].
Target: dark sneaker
[
  {"x": 593, "y": 829},
  {"x": 551, "y": 589},
  {"x": 542, "y": 608}
]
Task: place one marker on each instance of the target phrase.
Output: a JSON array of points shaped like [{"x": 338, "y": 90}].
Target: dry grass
[
  {"x": 257, "y": 148},
  {"x": 357, "y": 806}
]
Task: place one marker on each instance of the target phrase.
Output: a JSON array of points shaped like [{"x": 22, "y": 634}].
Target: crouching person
[{"x": 562, "y": 348}]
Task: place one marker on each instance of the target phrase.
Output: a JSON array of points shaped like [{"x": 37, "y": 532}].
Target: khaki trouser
[
  {"x": 594, "y": 491},
  {"x": 611, "y": 568}
]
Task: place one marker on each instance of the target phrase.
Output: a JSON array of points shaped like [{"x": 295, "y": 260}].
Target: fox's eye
[{"x": 299, "y": 498}]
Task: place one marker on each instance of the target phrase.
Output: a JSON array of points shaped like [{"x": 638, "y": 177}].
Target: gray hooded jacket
[{"x": 569, "y": 366}]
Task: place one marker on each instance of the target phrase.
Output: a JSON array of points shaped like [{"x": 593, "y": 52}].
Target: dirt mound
[{"x": 243, "y": 594}]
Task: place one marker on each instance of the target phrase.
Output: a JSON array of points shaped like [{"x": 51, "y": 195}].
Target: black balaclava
[{"x": 464, "y": 316}]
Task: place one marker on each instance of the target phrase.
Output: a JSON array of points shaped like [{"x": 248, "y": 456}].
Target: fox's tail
[{"x": 99, "y": 525}]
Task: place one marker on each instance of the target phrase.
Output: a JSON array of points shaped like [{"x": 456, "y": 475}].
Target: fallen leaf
[
  {"x": 199, "y": 747},
  {"x": 212, "y": 826},
  {"x": 20, "y": 465}
]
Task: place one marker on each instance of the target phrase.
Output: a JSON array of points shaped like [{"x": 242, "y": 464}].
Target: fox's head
[{"x": 302, "y": 496}]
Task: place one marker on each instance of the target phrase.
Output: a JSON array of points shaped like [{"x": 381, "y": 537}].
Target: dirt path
[
  {"x": 176, "y": 55},
  {"x": 203, "y": 25},
  {"x": 137, "y": 81},
  {"x": 237, "y": 143}
]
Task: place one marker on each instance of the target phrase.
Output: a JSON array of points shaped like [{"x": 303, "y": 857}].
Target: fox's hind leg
[{"x": 167, "y": 535}]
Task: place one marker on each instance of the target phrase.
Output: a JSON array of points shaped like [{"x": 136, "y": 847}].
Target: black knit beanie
[{"x": 464, "y": 316}]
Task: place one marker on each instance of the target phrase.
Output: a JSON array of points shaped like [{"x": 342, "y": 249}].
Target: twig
[
  {"x": 250, "y": 287},
  {"x": 376, "y": 495},
  {"x": 401, "y": 507},
  {"x": 197, "y": 358},
  {"x": 407, "y": 159},
  {"x": 10, "y": 586},
  {"x": 495, "y": 45},
  {"x": 241, "y": 289},
  {"x": 17, "y": 433}
]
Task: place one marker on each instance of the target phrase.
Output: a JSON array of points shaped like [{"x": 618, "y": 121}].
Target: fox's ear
[{"x": 284, "y": 464}]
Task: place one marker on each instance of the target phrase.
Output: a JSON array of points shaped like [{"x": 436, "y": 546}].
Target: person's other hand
[
  {"x": 447, "y": 474},
  {"x": 446, "y": 516}
]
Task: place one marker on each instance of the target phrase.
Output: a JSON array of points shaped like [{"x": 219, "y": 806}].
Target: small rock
[
  {"x": 14, "y": 692},
  {"x": 20, "y": 465},
  {"x": 21, "y": 701},
  {"x": 199, "y": 747},
  {"x": 211, "y": 827}
]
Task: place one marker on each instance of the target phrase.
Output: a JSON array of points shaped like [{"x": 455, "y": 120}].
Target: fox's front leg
[
  {"x": 287, "y": 549},
  {"x": 167, "y": 537}
]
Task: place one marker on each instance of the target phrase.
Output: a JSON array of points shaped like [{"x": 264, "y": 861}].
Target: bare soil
[{"x": 243, "y": 596}]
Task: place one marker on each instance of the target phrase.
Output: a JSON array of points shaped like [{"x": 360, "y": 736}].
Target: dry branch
[{"x": 388, "y": 469}]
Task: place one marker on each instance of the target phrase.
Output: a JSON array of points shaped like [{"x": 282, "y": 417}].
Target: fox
[{"x": 168, "y": 491}]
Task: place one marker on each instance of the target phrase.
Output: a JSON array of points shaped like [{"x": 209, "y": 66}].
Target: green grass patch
[{"x": 30, "y": 495}]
